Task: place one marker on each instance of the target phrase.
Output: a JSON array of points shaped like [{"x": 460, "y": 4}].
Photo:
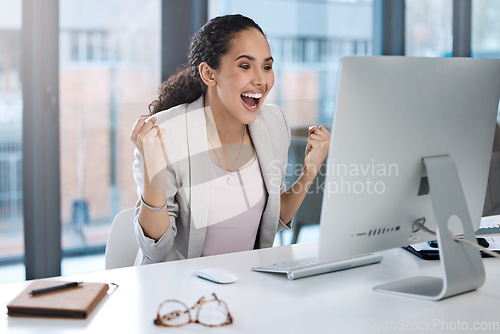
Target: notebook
[{"x": 75, "y": 302}]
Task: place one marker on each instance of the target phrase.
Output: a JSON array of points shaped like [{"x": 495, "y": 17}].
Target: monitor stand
[{"x": 462, "y": 264}]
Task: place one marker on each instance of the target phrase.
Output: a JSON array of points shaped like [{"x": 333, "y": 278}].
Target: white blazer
[{"x": 187, "y": 180}]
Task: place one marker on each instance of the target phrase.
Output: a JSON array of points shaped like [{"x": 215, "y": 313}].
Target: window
[
  {"x": 486, "y": 28},
  {"x": 428, "y": 28},
  {"x": 485, "y": 34},
  {"x": 11, "y": 106},
  {"x": 109, "y": 72},
  {"x": 307, "y": 40}
]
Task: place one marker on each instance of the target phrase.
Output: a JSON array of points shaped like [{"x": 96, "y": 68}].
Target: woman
[{"x": 222, "y": 189}]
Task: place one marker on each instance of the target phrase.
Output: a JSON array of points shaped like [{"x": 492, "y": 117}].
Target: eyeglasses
[{"x": 209, "y": 312}]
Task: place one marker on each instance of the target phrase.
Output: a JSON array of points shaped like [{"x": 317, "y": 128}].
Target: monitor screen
[{"x": 392, "y": 112}]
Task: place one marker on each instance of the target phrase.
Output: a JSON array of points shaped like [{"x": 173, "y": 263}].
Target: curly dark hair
[{"x": 209, "y": 44}]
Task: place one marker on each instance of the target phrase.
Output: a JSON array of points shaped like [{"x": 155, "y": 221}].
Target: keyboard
[{"x": 310, "y": 266}]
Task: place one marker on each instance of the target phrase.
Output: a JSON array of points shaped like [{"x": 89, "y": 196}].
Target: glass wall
[
  {"x": 109, "y": 72},
  {"x": 429, "y": 28},
  {"x": 307, "y": 40},
  {"x": 11, "y": 106},
  {"x": 485, "y": 32}
]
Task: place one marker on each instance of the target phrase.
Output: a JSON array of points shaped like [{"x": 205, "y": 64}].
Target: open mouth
[{"x": 251, "y": 100}]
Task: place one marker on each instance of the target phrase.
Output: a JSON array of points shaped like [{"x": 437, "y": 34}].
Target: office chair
[
  {"x": 121, "y": 247},
  {"x": 492, "y": 198}
]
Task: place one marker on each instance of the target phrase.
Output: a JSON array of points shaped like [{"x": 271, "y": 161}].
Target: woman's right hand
[
  {"x": 142, "y": 127},
  {"x": 148, "y": 138}
]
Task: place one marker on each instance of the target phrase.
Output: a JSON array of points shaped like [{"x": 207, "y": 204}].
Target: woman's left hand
[{"x": 317, "y": 148}]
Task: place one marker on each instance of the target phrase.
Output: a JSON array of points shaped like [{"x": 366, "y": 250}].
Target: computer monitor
[{"x": 411, "y": 142}]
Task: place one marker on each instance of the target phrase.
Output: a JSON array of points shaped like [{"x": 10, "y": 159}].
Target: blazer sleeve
[{"x": 152, "y": 251}]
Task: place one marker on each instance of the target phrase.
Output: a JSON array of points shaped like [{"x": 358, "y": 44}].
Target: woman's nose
[{"x": 259, "y": 78}]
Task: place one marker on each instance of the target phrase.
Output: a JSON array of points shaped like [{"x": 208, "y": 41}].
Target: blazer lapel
[
  {"x": 271, "y": 173},
  {"x": 264, "y": 150},
  {"x": 198, "y": 183}
]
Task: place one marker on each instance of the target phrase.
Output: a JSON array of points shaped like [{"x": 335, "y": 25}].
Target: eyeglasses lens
[
  {"x": 213, "y": 313},
  {"x": 173, "y": 313}
]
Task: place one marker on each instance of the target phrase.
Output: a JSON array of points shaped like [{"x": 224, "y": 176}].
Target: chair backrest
[{"x": 121, "y": 247}]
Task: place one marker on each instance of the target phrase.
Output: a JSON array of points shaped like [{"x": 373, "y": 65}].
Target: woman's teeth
[{"x": 253, "y": 95}]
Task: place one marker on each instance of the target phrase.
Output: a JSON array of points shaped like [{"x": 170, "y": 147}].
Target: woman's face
[{"x": 245, "y": 76}]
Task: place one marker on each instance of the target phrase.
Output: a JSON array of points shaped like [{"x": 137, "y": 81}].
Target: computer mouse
[{"x": 216, "y": 275}]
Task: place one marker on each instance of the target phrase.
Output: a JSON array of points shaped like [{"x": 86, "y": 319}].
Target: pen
[{"x": 54, "y": 288}]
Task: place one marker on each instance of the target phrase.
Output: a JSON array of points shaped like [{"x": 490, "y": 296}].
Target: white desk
[{"x": 341, "y": 302}]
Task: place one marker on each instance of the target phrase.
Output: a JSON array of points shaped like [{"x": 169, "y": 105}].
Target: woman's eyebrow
[
  {"x": 251, "y": 58},
  {"x": 245, "y": 56}
]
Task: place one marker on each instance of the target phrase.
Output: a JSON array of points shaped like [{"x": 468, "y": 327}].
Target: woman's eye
[
  {"x": 245, "y": 67},
  {"x": 268, "y": 67}
]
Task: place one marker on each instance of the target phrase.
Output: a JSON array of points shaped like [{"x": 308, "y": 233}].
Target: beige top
[{"x": 235, "y": 209}]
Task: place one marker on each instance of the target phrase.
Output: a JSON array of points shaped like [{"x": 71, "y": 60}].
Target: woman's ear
[{"x": 207, "y": 74}]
